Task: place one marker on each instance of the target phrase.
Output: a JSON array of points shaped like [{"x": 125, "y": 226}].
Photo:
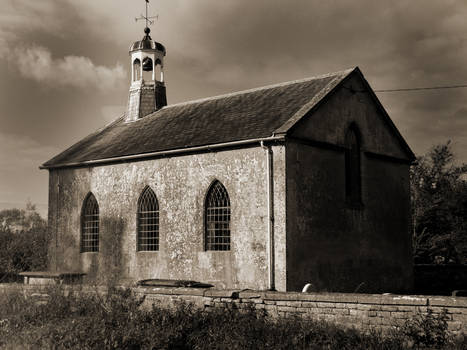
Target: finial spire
[{"x": 148, "y": 19}]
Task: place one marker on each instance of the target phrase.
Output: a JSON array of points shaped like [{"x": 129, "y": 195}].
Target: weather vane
[{"x": 149, "y": 20}]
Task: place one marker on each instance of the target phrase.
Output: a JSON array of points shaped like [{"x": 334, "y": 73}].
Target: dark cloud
[{"x": 221, "y": 46}]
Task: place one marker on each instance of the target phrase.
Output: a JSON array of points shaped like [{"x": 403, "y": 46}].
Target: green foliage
[
  {"x": 23, "y": 240},
  {"x": 74, "y": 319},
  {"x": 439, "y": 207},
  {"x": 425, "y": 330}
]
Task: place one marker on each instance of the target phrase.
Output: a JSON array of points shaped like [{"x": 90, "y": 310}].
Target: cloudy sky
[{"x": 64, "y": 65}]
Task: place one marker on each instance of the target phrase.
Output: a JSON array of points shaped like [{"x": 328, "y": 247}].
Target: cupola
[{"x": 147, "y": 89}]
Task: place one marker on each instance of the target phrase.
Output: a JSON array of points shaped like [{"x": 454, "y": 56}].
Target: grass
[{"x": 117, "y": 320}]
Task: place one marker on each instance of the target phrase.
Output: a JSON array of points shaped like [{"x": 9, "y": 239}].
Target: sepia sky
[{"x": 64, "y": 65}]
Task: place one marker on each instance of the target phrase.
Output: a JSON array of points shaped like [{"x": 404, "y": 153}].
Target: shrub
[
  {"x": 73, "y": 319},
  {"x": 424, "y": 330}
]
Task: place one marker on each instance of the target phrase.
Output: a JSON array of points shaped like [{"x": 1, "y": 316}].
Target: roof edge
[
  {"x": 96, "y": 132},
  {"x": 327, "y": 91},
  {"x": 164, "y": 153},
  {"x": 315, "y": 100},
  {"x": 388, "y": 119}
]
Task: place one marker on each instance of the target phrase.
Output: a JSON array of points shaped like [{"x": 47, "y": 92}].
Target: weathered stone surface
[
  {"x": 189, "y": 291},
  {"x": 180, "y": 184},
  {"x": 404, "y": 300},
  {"x": 221, "y": 293},
  {"x": 250, "y": 295},
  {"x": 448, "y": 301},
  {"x": 318, "y": 237},
  {"x": 337, "y": 247}
]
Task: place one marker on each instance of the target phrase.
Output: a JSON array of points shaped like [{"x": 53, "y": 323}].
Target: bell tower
[{"x": 147, "y": 89}]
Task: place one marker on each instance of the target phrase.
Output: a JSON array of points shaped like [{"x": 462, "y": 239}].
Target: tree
[
  {"x": 439, "y": 207},
  {"x": 23, "y": 240}
]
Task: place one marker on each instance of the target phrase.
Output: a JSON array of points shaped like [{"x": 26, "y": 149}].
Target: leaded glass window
[
  {"x": 148, "y": 221},
  {"x": 90, "y": 225},
  {"x": 217, "y": 218}
]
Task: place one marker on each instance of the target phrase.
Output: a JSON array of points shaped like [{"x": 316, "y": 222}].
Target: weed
[
  {"x": 75, "y": 319},
  {"x": 430, "y": 329}
]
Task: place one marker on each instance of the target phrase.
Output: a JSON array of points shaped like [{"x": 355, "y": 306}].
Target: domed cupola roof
[{"x": 147, "y": 43}]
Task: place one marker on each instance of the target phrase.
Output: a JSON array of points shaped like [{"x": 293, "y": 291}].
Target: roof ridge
[{"x": 259, "y": 88}]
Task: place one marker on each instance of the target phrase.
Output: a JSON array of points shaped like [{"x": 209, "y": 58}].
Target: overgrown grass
[{"x": 116, "y": 320}]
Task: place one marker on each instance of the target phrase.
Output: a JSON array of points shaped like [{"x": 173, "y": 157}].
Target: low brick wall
[{"x": 363, "y": 311}]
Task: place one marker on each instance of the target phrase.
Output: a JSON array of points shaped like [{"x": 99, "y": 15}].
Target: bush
[
  {"x": 425, "y": 330},
  {"x": 73, "y": 319}
]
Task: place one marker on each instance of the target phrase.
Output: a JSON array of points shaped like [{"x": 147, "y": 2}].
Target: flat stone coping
[
  {"x": 173, "y": 283},
  {"x": 51, "y": 274},
  {"x": 342, "y": 298}
]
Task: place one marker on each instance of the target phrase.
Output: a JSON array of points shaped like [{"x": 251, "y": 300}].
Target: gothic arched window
[
  {"x": 217, "y": 218},
  {"x": 352, "y": 166},
  {"x": 90, "y": 225},
  {"x": 148, "y": 221}
]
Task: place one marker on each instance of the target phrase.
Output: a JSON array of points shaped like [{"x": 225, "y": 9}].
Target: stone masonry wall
[
  {"x": 148, "y": 100},
  {"x": 180, "y": 184},
  {"x": 362, "y": 311},
  {"x": 336, "y": 245},
  {"x": 132, "y": 112}
]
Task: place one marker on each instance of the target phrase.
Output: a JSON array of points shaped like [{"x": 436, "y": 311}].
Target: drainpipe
[{"x": 270, "y": 195}]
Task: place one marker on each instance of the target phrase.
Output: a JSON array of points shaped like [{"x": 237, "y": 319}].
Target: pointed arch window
[
  {"x": 217, "y": 218},
  {"x": 353, "y": 185},
  {"x": 90, "y": 225},
  {"x": 148, "y": 221}
]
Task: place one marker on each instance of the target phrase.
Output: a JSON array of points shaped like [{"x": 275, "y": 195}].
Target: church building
[{"x": 271, "y": 188}]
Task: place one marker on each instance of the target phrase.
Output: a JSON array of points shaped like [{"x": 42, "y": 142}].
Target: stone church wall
[
  {"x": 180, "y": 184},
  {"x": 337, "y": 247}
]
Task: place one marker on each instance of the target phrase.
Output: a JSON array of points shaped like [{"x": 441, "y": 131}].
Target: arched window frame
[
  {"x": 217, "y": 213},
  {"x": 136, "y": 69},
  {"x": 158, "y": 72},
  {"x": 147, "y": 221},
  {"x": 89, "y": 240},
  {"x": 353, "y": 178}
]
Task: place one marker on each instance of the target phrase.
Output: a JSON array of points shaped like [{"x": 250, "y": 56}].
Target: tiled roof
[{"x": 250, "y": 114}]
